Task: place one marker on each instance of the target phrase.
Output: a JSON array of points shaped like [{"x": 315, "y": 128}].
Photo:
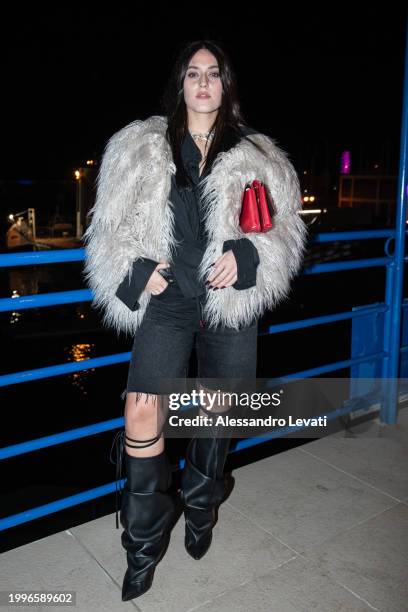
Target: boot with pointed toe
[
  {"x": 148, "y": 513},
  {"x": 203, "y": 488}
]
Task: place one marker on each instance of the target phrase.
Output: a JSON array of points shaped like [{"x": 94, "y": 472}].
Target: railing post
[{"x": 388, "y": 412}]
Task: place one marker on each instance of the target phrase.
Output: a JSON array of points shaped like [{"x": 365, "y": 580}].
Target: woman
[{"x": 168, "y": 263}]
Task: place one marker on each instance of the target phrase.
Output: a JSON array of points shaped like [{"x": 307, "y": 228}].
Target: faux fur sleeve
[
  {"x": 280, "y": 250},
  {"x": 108, "y": 257},
  {"x": 119, "y": 177}
]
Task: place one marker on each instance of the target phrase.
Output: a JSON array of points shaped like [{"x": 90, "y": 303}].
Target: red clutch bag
[{"x": 257, "y": 208}]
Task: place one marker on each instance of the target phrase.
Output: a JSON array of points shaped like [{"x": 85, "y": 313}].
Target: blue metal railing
[
  {"x": 63, "y": 297},
  {"x": 389, "y": 356}
]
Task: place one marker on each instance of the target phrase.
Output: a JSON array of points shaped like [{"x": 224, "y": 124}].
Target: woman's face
[{"x": 202, "y": 76}]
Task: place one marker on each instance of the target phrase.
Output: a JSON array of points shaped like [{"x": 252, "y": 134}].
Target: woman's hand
[
  {"x": 225, "y": 271},
  {"x": 156, "y": 283}
]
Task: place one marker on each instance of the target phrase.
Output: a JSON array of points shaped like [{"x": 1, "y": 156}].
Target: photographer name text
[{"x": 208, "y": 421}]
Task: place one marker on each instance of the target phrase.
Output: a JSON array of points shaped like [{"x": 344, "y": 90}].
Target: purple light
[{"x": 345, "y": 162}]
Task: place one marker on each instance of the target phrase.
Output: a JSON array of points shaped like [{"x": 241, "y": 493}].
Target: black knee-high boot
[
  {"x": 203, "y": 488},
  {"x": 148, "y": 513}
]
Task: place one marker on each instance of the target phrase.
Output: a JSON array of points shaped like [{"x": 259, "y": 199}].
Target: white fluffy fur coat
[{"x": 132, "y": 218}]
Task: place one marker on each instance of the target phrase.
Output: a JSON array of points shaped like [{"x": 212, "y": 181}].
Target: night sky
[{"x": 317, "y": 79}]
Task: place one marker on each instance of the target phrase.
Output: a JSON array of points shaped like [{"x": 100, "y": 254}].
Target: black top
[{"x": 190, "y": 234}]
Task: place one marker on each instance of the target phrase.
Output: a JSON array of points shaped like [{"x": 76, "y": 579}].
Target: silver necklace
[{"x": 208, "y": 136}]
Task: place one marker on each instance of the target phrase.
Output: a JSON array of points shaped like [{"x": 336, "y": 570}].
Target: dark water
[{"x": 48, "y": 336}]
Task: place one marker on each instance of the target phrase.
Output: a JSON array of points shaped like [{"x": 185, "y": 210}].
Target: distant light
[
  {"x": 11, "y": 217},
  {"x": 309, "y": 198},
  {"x": 77, "y": 174},
  {"x": 90, "y": 162},
  {"x": 345, "y": 164}
]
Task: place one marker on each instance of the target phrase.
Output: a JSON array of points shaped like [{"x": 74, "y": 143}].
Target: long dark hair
[{"x": 229, "y": 119}]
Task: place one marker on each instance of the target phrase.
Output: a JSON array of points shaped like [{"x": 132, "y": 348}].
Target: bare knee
[
  {"x": 142, "y": 425},
  {"x": 140, "y": 408}
]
